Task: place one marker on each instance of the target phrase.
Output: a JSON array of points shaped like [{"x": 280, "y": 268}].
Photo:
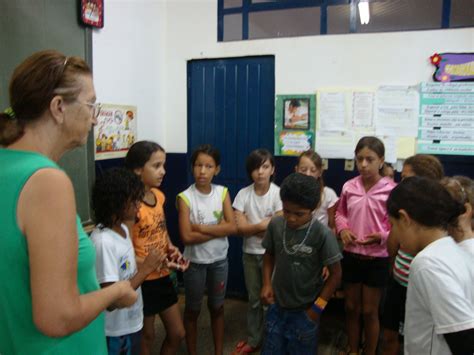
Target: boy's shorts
[
  {"x": 393, "y": 317},
  {"x": 370, "y": 271},
  {"x": 199, "y": 277},
  {"x": 289, "y": 332},
  {"x": 128, "y": 344},
  {"x": 158, "y": 295}
]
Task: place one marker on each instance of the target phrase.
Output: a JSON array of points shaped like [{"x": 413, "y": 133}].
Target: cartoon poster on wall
[
  {"x": 115, "y": 132},
  {"x": 294, "y": 124}
]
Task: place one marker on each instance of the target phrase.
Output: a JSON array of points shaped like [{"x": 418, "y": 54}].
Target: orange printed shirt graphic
[{"x": 150, "y": 231}]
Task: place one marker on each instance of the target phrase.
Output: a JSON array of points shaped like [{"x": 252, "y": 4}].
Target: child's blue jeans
[{"x": 289, "y": 332}]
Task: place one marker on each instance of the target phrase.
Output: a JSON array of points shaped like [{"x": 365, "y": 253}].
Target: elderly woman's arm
[{"x": 46, "y": 215}]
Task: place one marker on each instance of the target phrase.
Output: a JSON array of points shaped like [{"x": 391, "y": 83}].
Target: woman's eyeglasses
[{"x": 96, "y": 107}]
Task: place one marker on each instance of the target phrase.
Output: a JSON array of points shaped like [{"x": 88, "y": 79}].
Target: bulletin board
[
  {"x": 432, "y": 118},
  {"x": 345, "y": 115}
]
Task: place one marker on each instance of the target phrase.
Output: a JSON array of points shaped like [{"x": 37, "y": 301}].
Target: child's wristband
[
  {"x": 316, "y": 309},
  {"x": 319, "y": 305}
]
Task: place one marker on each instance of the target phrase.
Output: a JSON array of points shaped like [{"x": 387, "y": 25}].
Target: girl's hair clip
[
  {"x": 463, "y": 191},
  {"x": 9, "y": 111}
]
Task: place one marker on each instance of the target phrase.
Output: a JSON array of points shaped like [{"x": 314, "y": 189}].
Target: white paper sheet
[
  {"x": 397, "y": 111},
  {"x": 390, "y": 144},
  {"x": 362, "y": 109},
  {"x": 332, "y": 111},
  {"x": 335, "y": 145}
]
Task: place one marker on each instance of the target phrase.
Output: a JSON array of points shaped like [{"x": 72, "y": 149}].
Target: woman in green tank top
[{"x": 51, "y": 302}]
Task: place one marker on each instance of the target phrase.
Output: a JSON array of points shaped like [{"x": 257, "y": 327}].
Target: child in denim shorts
[{"x": 297, "y": 247}]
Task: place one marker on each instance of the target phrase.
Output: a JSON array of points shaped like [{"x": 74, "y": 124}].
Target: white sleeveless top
[{"x": 206, "y": 209}]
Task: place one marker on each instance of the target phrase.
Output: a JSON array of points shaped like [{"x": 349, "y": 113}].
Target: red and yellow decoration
[{"x": 435, "y": 59}]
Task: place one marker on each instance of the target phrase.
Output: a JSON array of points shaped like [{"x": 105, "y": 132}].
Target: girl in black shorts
[{"x": 362, "y": 223}]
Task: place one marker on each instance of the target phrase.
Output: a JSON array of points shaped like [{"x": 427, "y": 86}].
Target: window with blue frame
[{"x": 253, "y": 19}]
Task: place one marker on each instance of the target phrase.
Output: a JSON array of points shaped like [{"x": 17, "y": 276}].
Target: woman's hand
[{"x": 128, "y": 294}]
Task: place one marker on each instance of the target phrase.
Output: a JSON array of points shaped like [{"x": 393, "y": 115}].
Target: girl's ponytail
[{"x": 11, "y": 128}]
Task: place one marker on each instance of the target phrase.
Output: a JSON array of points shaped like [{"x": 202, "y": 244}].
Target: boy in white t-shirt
[
  {"x": 115, "y": 198},
  {"x": 254, "y": 207}
]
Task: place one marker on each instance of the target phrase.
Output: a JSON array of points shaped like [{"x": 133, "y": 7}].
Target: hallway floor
[{"x": 332, "y": 337}]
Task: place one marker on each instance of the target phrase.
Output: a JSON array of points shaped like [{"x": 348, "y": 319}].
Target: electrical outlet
[
  {"x": 349, "y": 165},
  {"x": 325, "y": 164}
]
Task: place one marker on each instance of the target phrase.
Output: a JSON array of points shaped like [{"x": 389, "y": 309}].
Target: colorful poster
[
  {"x": 115, "y": 132},
  {"x": 453, "y": 66},
  {"x": 296, "y": 113},
  {"x": 295, "y": 142},
  {"x": 294, "y": 124},
  {"x": 446, "y": 119},
  {"x": 92, "y": 12}
]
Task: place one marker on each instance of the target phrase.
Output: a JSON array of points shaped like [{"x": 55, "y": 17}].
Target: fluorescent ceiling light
[{"x": 364, "y": 12}]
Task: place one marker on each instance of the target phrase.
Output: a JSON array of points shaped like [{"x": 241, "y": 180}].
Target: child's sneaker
[{"x": 244, "y": 348}]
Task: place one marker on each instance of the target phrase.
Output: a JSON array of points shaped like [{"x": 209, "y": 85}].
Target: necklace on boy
[{"x": 296, "y": 248}]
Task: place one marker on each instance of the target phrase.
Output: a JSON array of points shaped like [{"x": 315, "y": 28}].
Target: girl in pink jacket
[{"x": 363, "y": 225}]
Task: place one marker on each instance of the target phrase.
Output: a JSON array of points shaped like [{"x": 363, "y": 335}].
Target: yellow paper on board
[{"x": 405, "y": 147}]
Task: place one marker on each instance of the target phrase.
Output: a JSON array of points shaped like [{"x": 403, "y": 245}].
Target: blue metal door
[{"x": 231, "y": 106}]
